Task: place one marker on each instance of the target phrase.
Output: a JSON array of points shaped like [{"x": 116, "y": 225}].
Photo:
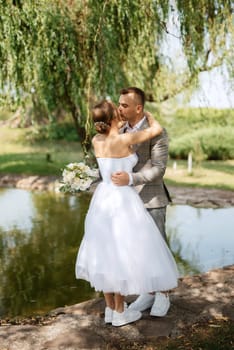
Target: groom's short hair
[{"x": 132, "y": 89}]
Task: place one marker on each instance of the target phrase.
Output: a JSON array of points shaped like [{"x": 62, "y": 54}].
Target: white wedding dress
[{"x": 122, "y": 250}]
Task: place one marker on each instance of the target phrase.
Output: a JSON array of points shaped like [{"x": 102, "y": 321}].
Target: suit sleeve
[{"x": 155, "y": 168}]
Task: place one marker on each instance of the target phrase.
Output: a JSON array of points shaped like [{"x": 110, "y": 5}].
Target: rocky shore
[
  {"x": 27, "y": 182},
  {"x": 198, "y": 299},
  {"x": 199, "y": 197}
]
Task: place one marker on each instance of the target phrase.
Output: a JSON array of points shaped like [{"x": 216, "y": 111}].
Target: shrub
[
  {"x": 216, "y": 143},
  {"x": 62, "y": 131},
  {"x": 53, "y": 131}
]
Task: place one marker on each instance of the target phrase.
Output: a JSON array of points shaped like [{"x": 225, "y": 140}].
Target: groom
[{"x": 148, "y": 181}]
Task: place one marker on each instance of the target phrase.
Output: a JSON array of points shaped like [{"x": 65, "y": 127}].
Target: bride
[{"x": 122, "y": 251}]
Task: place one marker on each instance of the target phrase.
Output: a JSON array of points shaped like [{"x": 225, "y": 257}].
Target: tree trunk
[{"x": 81, "y": 132}]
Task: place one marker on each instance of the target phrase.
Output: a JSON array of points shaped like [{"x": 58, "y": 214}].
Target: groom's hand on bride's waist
[{"x": 120, "y": 178}]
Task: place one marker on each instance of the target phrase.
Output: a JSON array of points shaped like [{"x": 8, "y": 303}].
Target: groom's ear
[{"x": 139, "y": 108}]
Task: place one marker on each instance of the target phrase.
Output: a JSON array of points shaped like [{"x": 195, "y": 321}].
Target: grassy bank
[
  {"x": 18, "y": 156},
  {"x": 209, "y": 174}
]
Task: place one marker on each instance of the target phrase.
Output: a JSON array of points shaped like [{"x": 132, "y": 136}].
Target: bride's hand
[
  {"x": 152, "y": 121},
  {"x": 150, "y": 118},
  {"x": 148, "y": 115},
  {"x": 121, "y": 124},
  {"x": 120, "y": 178}
]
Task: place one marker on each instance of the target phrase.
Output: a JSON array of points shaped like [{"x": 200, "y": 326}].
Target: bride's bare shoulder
[{"x": 97, "y": 138}]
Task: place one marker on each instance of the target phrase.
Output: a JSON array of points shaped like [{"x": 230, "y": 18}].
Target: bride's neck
[{"x": 113, "y": 131}]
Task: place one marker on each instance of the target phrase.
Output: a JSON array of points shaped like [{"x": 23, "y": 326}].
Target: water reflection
[
  {"x": 40, "y": 234},
  {"x": 16, "y": 209},
  {"x": 202, "y": 237},
  {"x": 37, "y": 269}
]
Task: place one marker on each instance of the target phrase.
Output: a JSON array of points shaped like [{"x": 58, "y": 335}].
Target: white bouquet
[{"x": 77, "y": 177}]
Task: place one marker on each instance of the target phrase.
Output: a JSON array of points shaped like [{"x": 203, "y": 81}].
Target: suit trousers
[{"x": 159, "y": 217}]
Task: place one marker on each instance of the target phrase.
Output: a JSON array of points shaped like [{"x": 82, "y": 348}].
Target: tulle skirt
[{"x": 122, "y": 250}]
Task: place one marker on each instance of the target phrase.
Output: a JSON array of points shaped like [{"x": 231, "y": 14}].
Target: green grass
[
  {"x": 209, "y": 174},
  {"x": 20, "y": 157},
  {"x": 29, "y": 164},
  {"x": 225, "y": 167}
]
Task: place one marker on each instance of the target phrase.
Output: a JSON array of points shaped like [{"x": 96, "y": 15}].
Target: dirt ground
[{"x": 202, "y": 197}]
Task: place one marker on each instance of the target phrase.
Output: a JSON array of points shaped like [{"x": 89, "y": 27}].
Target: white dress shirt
[{"x": 128, "y": 128}]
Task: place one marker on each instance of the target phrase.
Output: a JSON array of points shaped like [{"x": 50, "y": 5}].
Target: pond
[{"x": 40, "y": 234}]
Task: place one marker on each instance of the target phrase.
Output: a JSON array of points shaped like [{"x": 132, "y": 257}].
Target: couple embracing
[{"x": 124, "y": 250}]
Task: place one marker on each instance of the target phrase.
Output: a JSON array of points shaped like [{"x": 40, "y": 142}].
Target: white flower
[
  {"x": 77, "y": 177},
  {"x": 92, "y": 172},
  {"x": 68, "y": 176}
]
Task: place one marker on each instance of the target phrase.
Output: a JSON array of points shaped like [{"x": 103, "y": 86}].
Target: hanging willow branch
[{"x": 69, "y": 54}]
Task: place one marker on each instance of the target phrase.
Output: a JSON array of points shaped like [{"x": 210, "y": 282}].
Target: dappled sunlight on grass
[
  {"x": 36, "y": 163},
  {"x": 42, "y": 158}
]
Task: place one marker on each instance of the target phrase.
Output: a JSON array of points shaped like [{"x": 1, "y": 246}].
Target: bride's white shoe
[
  {"x": 109, "y": 313},
  {"x": 125, "y": 317},
  {"x": 142, "y": 303}
]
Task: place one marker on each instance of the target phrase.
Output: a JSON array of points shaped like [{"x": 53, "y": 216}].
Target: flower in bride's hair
[
  {"x": 101, "y": 124},
  {"x": 77, "y": 177}
]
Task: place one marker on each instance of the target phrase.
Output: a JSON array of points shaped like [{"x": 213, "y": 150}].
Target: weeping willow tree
[{"x": 65, "y": 54}]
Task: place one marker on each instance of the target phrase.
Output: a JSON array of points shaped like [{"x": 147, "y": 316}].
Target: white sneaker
[
  {"x": 161, "y": 305},
  {"x": 125, "y": 317},
  {"x": 109, "y": 313},
  {"x": 142, "y": 303}
]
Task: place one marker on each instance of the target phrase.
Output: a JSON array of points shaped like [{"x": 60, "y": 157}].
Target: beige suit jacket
[{"x": 149, "y": 171}]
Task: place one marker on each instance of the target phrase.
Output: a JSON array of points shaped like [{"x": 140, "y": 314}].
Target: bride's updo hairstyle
[{"x": 102, "y": 114}]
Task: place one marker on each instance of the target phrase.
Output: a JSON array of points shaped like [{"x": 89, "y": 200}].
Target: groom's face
[{"x": 129, "y": 107}]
